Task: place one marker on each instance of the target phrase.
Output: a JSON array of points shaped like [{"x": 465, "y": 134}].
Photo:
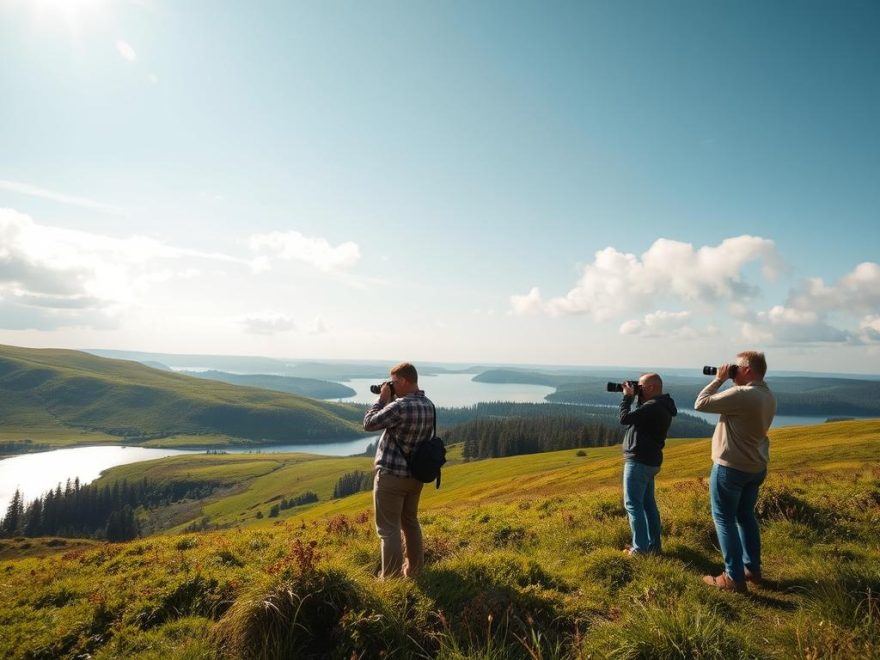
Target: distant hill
[
  {"x": 47, "y": 388},
  {"x": 310, "y": 387},
  {"x": 243, "y": 364}
]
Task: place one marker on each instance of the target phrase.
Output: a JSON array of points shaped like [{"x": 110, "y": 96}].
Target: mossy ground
[{"x": 530, "y": 573}]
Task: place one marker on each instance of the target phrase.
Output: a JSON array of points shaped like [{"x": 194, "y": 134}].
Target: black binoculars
[{"x": 711, "y": 371}]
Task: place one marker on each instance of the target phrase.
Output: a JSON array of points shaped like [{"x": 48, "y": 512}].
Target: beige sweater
[{"x": 740, "y": 440}]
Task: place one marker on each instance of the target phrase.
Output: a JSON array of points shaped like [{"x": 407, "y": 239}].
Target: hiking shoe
[
  {"x": 755, "y": 578},
  {"x": 725, "y": 583}
]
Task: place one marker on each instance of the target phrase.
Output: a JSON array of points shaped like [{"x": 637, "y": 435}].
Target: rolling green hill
[
  {"x": 53, "y": 392},
  {"x": 309, "y": 387},
  {"x": 523, "y": 561}
]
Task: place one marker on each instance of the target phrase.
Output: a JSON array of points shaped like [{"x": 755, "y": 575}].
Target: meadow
[{"x": 523, "y": 561}]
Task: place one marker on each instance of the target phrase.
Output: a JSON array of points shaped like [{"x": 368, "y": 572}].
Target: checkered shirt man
[{"x": 410, "y": 419}]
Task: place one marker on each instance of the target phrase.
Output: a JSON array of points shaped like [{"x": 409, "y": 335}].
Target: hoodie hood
[{"x": 666, "y": 401}]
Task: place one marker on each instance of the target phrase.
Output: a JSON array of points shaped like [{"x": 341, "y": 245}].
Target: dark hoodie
[{"x": 647, "y": 426}]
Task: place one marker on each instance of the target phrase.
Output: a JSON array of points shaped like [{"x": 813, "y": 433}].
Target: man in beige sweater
[{"x": 740, "y": 453}]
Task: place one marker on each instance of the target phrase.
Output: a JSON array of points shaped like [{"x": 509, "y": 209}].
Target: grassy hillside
[
  {"x": 310, "y": 387},
  {"x": 523, "y": 562},
  {"x": 45, "y": 392}
]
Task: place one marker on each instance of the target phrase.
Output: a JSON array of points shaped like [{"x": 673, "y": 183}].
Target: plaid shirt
[{"x": 410, "y": 419}]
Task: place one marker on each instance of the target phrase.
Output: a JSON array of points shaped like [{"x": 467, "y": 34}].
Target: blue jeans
[
  {"x": 734, "y": 494},
  {"x": 641, "y": 507}
]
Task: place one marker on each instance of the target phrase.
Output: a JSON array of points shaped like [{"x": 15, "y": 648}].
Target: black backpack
[{"x": 428, "y": 456}]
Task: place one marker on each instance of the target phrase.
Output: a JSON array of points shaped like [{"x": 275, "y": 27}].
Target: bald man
[{"x": 643, "y": 444}]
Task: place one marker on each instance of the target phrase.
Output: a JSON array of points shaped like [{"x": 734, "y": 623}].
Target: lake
[{"x": 456, "y": 390}]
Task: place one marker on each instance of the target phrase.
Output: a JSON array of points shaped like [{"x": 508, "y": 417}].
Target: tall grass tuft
[
  {"x": 685, "y": 631},
  {"x": 849, "y": 596},
  {"x": 289, "y": 615}
]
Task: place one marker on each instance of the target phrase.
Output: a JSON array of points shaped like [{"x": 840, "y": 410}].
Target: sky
[{"x": 558, "y": 183}]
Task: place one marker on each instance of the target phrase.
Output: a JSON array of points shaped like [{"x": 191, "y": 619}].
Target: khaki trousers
[{"x": 396, "y": 502}]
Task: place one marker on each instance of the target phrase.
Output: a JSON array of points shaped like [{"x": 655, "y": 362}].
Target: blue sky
[{"x": 639, "y": 183}]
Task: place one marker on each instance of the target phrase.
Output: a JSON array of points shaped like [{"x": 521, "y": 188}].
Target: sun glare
[{"x": 74, "y": 14}]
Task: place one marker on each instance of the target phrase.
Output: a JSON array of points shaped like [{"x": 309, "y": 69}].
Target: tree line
[
  {"x": 495, "y": 438},
  {"x": 352, "y": 482},
  {"x": 93, "y": 511}
]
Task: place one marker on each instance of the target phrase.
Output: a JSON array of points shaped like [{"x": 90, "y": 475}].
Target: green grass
[
  {"x": 49, "y": 392},
  {"x": 523, "y": 561}
]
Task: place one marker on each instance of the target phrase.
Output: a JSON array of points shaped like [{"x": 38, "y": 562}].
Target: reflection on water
[
  {"x": 457, "y": 390},
  {"x": 34, "y": 474}
]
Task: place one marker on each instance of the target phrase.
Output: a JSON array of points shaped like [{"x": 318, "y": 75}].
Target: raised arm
[
  {"x": 728, "y": 402},
  {"x": 381, "y": 417}
]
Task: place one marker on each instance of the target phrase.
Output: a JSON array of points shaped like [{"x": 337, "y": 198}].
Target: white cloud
[
  {"x": 787, "y": 325},
  {"x": 806, "y": 316},
  {"x": 857, "y": 292},
  {"x": 869, "y": 328},
  {"x": 616, "y": 283},
  {"x": 527, "y": 304},
  {"x": 35, "y": 191},
  {"x": 268, "y": 323},
  {"x": 314, "y": 251},
  {"x": 126, "y": 50},
  {"x": 661, "y": 324},
  {"x": 55, "y": 277}
]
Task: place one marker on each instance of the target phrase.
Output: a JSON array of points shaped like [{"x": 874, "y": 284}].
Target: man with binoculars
[
  {"x": 740, "y": 453},
  {"x": 643, "y": 446}
]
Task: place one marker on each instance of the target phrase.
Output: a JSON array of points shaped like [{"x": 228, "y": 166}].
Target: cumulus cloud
[
  {"x": 314, "y": 251},
  {"x": 268, "y": 323},
  {"x": 126, "y": 50},
  {"x": 857, "y": 292},
  {"x": 54, "y": 277},
  {"x": 787, "y": 325},
  {"x": 814, "y": 311},
  {"x": 617, "y": 283},
  {"x": 661, "y": 324}
]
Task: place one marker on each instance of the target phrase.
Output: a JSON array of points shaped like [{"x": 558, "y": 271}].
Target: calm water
[
  {"x": 34, "y": 474},
  {"x": 456, "y": 390}
]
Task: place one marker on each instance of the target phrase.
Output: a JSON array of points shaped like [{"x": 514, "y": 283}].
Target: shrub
[
  {"x": 195, "y": 596},
  {"x": 611, "y": 568},
  {"x": 186, "y": 543}
]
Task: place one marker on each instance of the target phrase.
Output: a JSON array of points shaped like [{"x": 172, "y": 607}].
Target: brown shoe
[
  {"x": 754, "y": 578},
  {"x": 725, "y": 583}
]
